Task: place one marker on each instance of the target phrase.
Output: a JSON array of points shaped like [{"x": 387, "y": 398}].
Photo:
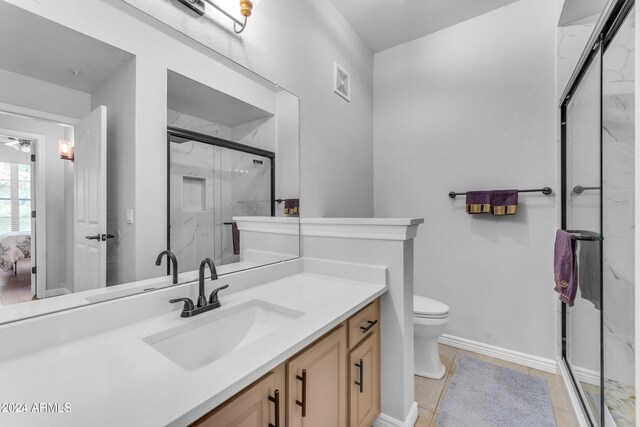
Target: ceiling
[
  {"x": 195, "y": 99},
  {"x": 39, "y": 48},
  {"x": 577, "y": 10},
  {"x": 383, "y": 24}
]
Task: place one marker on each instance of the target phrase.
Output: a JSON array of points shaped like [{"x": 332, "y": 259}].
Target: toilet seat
[{"x": 427, "y": 308}]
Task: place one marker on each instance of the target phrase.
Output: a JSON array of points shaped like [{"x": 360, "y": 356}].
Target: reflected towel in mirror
[
  {"x": 291, "y": 206},
  {"x": 235, "y": 235}
]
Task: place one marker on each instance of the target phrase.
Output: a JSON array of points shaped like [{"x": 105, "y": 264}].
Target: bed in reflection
[{"x": 14, "y": 245}]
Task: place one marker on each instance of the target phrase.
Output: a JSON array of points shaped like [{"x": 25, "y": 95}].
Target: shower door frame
[
  {"x": 615, "y": 14},
  {"x": 188, "y": 135}
]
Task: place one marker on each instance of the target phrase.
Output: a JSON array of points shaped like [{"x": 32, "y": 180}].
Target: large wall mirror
[{"x": 112, "y": 152}]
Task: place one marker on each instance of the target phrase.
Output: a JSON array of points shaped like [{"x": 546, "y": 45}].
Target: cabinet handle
[
  {"x": 371, "y": 324},
  {"x": 276, "y": 400},
  {"x": 303, "y": 404},
  {"x": 360, "y": 384}
]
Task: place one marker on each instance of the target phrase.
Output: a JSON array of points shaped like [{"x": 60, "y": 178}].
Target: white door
[
  {"x": 90, "y": 198},
  {"x": 34, "y": 205}
]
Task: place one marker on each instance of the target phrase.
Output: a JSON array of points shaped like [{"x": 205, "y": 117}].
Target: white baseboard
[
  {"x": 535, "y": 362},
  {"x": 56, "y": 292},
  {"x": 385, "y": 420},
  {"x": 587, "y": 376}
]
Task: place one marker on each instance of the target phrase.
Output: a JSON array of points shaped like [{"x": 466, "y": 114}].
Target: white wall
[
  {"x": 28, "y": 92},
  {"x": 118, "y": 95},
  {"x": 294, "y": 43},
  {"x": 473, "y": 107}
]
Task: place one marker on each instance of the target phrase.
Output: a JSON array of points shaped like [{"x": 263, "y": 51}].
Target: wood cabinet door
[
  {"x": 364, "y": 382},
  {"x": 252, "y": 406},
  {"x": 316, "y": 379}
]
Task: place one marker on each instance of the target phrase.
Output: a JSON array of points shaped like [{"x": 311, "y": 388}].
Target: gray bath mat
[{"x": 485, "y": 395}]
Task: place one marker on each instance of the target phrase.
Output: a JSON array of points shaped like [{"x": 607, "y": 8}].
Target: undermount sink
[{"x": 206, "y": 339}]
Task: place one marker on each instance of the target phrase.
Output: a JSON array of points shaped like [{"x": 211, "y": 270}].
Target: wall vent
[{"x": 341, "y": 82}]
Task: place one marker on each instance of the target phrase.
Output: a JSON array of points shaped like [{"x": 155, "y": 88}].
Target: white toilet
[{"x": 430, "y": 318}]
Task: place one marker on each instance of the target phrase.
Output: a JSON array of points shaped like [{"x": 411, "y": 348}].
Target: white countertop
[{"x": 115, "y": 379}]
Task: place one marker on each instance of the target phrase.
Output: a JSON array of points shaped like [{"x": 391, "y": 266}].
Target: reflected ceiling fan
[{"x": 17, "y": 143}]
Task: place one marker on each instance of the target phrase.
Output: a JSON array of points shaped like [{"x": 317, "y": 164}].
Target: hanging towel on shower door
[
  {"x": 564, "y": 267},
  {"x": 504, "y": 202},
  {"x": 478, "y": 202},
  {"x": 589, "y": 271}
]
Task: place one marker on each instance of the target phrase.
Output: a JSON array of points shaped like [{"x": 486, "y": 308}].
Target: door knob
[
  {"x": 96, "y": 237},
  {"x": 107, "y": 236}
]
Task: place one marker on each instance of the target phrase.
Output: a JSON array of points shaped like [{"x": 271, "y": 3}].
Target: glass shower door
[
  {"x": 618, "y": 185},
  {"x": 246, "y": 190},
  {"x": 583, "y": 213},
  {"x": 209, "y": 185}
]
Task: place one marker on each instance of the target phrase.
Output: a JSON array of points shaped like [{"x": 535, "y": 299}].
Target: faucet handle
[
  {"x": 213, "y": 299},
  {"x": 188, "y": 304}
]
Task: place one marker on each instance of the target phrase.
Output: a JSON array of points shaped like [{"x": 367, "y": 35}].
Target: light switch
[{"x": 129, "y": 216}]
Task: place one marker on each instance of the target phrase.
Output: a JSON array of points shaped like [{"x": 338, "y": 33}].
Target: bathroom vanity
[
  {"x": 151, "y": 367},
  {"x": 335, "y": 380}
]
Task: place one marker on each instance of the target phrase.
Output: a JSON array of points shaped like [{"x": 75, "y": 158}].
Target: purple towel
[
  {"x": 564, "y": 267},
  {"x": 504, "y": 202},
  {"x": 235, "y": 235},
  {"x": 291, "y": 206},
  {"x": 478, "y": 202}
]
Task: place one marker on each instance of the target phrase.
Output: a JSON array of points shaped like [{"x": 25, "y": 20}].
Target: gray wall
[{"x": 472, "y": 107}]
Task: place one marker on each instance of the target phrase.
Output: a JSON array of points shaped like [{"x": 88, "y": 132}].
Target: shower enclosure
[
  {"x": 598, "y": 175},
  {"x": 211, "y": 180}
]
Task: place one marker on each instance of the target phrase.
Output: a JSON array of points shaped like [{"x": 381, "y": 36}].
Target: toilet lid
[{"x": 426, "y": 307}]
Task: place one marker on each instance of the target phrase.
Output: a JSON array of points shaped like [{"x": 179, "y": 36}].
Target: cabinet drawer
[{"x": 363, "y": 323}]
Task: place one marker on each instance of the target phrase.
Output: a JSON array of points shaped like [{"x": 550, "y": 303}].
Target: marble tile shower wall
[
  {"x": 193, "y": 182},
  {"x": 571, "y": 41},
  {"x": 618, "y": 208},
  {"x": 195, "y": 124}
]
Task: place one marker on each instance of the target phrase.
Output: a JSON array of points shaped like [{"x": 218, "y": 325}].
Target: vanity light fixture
[
  {"x": 238, "y": 26},
  {"x": 65, "y": 150}
]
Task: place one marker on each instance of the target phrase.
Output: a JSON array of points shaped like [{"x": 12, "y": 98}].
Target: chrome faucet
[
  {"x": 189, "y": 309},
  {"x": 174, "y": 263}
]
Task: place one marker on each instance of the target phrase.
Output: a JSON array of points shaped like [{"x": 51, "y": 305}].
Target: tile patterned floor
[{"x": 430, "y": 393}]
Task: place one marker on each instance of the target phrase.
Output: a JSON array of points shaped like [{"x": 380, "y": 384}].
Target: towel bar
[
  {"x": 590, "y": 236},
  {"x": 545, "y": 190}
]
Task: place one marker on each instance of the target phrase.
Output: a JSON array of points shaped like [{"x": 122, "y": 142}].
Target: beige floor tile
[
  {"x": 444, "y": 392},
  {"x": 427, "y": 392},
  {"x": 563, "y": 418},
  {"x": 424, "y": 418},
  {"x": 447, "y": 355}
]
